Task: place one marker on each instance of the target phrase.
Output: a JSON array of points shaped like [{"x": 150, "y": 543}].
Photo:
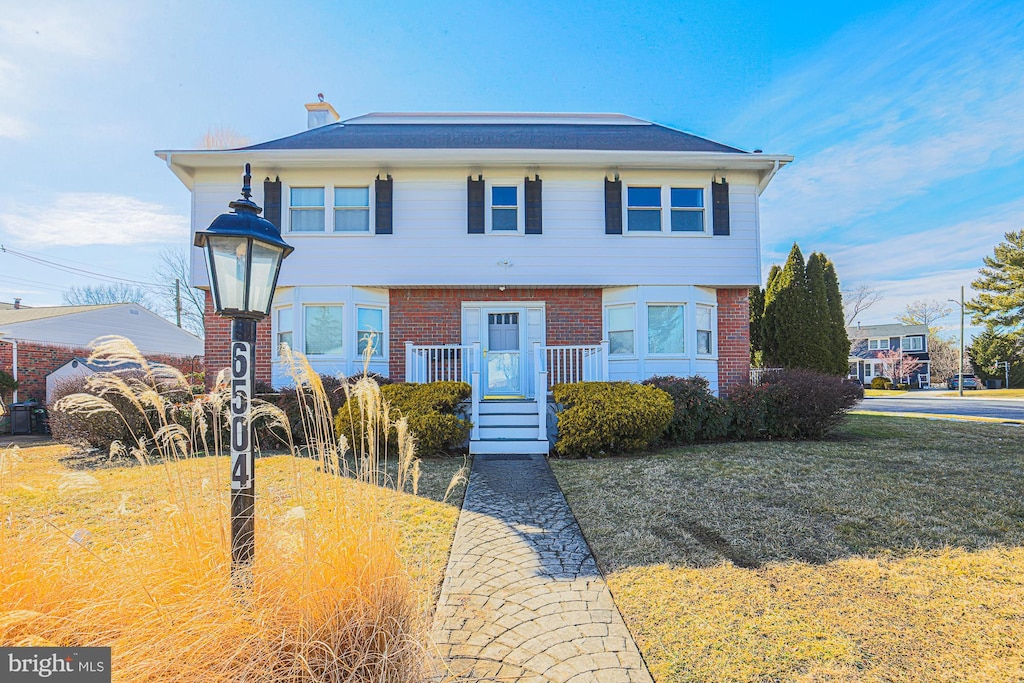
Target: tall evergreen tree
[
  {"x": 756, "y": 301},
  {"x": 786, "y": 314},
  {"x": 817, "y": 328},
  {"x": 991, "y": 347},
  {"x": 839, "y": 340},
  {"x": 1000, "y": 288}
]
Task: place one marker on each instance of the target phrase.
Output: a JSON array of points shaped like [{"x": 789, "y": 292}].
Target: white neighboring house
[
  {"x": 512, "y": 251},
  {"x": 36, "y": 341},
  {"x": 81, "y": 367}
]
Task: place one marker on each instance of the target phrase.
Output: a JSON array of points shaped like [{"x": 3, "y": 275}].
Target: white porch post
[
  {"x": 540, "y": 391},
  {"x": 408, "y": 361},
  {"x": 604, "y": 360},
  {"x": 474, "y": 384}
]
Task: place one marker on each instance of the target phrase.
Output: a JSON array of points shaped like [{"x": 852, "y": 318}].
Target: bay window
[{"x": 665, "y": 329}]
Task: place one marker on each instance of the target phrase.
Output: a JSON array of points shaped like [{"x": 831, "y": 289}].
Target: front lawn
[{"x": 891, "y": 551}]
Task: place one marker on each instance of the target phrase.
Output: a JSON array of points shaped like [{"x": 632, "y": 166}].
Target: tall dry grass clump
[{"x": 139, "y": 558}]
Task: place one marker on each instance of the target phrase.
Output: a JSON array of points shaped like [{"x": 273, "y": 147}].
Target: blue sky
[{"x": 906, "y": 119}]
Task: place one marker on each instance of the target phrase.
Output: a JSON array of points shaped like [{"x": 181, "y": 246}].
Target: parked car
[{"x": 970, "y": 381}]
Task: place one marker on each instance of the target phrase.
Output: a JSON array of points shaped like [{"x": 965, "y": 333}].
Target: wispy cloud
[{"x": 80, "y": 219}]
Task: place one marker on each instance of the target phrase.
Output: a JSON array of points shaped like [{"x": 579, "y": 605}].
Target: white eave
[{"x": 185, "y": 162}]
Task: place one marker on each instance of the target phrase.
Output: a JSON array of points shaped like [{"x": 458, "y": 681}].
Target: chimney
[
  {"x": 320, "y": 113},
  {"x": 17, "y": 303}
]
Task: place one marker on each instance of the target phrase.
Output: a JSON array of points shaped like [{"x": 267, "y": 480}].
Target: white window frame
[
  {"x": 520, "y": 186},
  {"x": 868, "y": 370},
  {"x": 878, "y": 344},
  {"x": 370, "y": 214},
  {"x": 916, "y": 337},
  {"x": 666, "y": 209},
  {"x": 383, "y": 344},
  {"x": 322, "y": 208},
  {"x": 277, "y": 330},
  {"x": 647, "y": 336},
  {"x": 713, "y": 313},
  {"x": 608, "y": 330},
  {"x": 328, "y": 356},
  {"x": 286, "y": 211}
]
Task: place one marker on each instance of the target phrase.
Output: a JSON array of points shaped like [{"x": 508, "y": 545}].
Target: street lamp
[
  {"x": 243, "y": 257},
  {"x": 960, "y": 380}
]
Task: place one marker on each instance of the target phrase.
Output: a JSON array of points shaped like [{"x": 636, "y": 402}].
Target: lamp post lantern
[{"x": 243, "y": 258}]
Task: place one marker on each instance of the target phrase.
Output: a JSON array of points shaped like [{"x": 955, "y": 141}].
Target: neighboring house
[
  {"x": 514, "y": 251},
  {"x": 36, "y": 341},
  {"x": 868, "y": 341},
  {"x": 82, "y": 367}
]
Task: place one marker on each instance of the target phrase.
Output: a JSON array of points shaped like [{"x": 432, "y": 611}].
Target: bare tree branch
[
  {"x": 222, "y": 137},
  {"x": 175, "y": 265},
  {"x": 858, "y": 300},
  {"x": 115, "y": 293}
]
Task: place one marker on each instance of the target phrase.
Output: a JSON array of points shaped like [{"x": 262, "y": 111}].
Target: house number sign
[{"x": 241, "y": 432}]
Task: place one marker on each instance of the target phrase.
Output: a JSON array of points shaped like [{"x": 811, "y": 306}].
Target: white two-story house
[{"x": 512, "y": 251}]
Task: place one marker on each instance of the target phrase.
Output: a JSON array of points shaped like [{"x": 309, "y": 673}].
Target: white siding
[{"x": 430, "y": 245}]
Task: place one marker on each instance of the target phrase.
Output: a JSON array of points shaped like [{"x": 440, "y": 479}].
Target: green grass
[{"x": 890, "y": 551}]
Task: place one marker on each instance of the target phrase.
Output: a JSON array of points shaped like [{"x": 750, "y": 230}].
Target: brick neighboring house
[
  {"x": 867, "y": 342},
  {"x": 36, "y": 341},
  {"x": 513, "y": 251}
]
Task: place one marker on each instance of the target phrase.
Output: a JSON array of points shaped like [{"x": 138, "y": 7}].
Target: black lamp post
[{"x": 243, "y": 257}]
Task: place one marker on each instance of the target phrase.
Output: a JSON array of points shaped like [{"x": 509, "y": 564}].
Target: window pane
[
  {"x": 684, "y": 197},
  {"x": 703, "y": 318},
  {"x": 665, "y": 329},
  {"x": 620, "y": 343},
  {"x": 620, "y": 318},
  {"x": 370, "y": 322},
  {"x": 284, "y": 338},
  {"x": 307, "y": 220},
  {"x": 323, "y": 330},
  {"x": 265, "y": 261},
  {"x": 229, "y": 264},
  {"x": 687, "y": 221},
  {"x": 504, "y": 196},
  {"x": 644, "y": 196},
  {"x": 307, "y": 196},
  {"x": 504, "y": 219},
  {"x": 351, "y": 220},
  {"x": 644, "y": 220},
  {"x": 351, "y": 196},
  {"x": 704, "y": 342},
  {"x": 284, "y": 318}
]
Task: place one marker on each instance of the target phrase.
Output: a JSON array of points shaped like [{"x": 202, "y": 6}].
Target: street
[{"x": 978, "y": 407}]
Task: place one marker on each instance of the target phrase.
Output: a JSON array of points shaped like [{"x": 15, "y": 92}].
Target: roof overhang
[{"x": 185, "y": 163}]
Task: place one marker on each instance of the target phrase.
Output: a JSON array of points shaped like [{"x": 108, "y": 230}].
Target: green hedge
[
  {"x": 698, "y": 414},
  {"x": 430, "y": 410},
  {"x": 605, "y": 418},
  {"x": 792, "y": 404},
  {"x": 881, "y": 383}
]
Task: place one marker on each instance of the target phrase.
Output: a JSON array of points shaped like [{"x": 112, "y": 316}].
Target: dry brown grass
[
  {"x": 892, "y": 552},
  {"x": 137, "y": 558}
]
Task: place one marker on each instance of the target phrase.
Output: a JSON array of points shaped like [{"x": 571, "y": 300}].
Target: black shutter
[
  {"x": 475, "y": 205},
  {"x": 720, "y": 207},
  {"x": 612, "y": 207},
  {"x": 383, "y": 214},
  {"x": 272, "y": 201},
  {"x": 534, "y": 220}
]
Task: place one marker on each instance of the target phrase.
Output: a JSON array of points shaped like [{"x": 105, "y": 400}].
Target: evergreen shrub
[
  {"x": 698, "y": 414},
  {"x": 605, "y": 418},
  {"x": 431, "y": 410},
  {"x": 881, "y": 383},
  {"x": 792, "y": 404}
]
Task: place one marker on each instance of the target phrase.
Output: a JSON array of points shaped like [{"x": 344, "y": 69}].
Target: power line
[
  {"x": 46, "y": 257},
  {"x": 33, "y": 283},
  {"x": 76, "y": 271}
]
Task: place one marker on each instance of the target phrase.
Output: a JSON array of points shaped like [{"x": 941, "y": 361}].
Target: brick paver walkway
[{"x": 522, "y": 598}]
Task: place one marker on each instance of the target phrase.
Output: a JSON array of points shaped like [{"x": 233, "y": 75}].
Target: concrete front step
[
  {"x": 511, "y": 446},
  {"x": 510, "y": 407},
  {"x": 507, "y": 420}
]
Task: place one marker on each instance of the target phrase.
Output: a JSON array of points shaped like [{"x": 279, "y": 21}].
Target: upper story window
[
  {"x": 645, "y": 214},
  {"x": 665, "y": 329},
  {"x": 705, "y": 331},
  {"x": 621, "y": 326},
  {"x": 323, "y": 330},
  {"x": 370, "y": 330},
  {"x": 306, "y": 213},
  {"x": 878, "y": 344},
  {"x": 352, "y": 209},
  {"x": 504, "y": 208},
  {"x": 912, "y": 343}
]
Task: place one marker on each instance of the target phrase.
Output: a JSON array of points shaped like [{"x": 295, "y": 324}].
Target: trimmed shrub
[
  {"x": 288, "y": 400},
  {"x": 604, "y": 418},
  {"x": 699, "y": 415},
  {"x": 430, "y": 410},
  {"x": 881, "y": 383},
  {"x": 792, "y": 404}
]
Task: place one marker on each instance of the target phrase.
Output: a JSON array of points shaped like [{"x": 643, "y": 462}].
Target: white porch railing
[
  {"x": 570, "y": 364},
  {"x": 440, "y": 362},
  {"x": 757, "y": 375}
]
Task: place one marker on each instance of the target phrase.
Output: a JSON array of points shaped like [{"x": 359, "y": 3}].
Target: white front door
[{"x": 502, "y": 349}]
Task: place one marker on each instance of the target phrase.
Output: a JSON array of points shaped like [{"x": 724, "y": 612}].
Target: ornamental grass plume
[{"x": 138, "y": 558}]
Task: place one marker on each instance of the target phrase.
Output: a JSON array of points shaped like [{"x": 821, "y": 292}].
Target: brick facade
[
  {"x": 733, "y": 339},
  {"x": 434, "y": 316},
  {"x": 36, "y": 360},
  {"x": 218, "y": 345}
]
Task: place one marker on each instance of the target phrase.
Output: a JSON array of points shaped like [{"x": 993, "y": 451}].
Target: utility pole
[
  {"x": 960, "y": 384},
  {"x": 177, "y": 299}
]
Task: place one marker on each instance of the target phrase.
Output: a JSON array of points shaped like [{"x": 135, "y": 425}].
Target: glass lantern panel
[
  {"x": 228, "y": 256},
  {"x": 265, "y": 261}
]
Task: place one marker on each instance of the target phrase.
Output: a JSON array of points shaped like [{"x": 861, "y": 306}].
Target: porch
[{"x": 509, "y": 388}]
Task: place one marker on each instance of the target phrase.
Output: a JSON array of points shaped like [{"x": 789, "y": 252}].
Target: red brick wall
[
  {"x": 218, "y": 345},
  {"x": 36, "y": 360},
  {"x": 733, "y": 339},
  {"x": 434, "y": 316}
]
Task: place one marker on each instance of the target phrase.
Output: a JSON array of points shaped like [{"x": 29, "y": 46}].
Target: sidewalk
[{"x": 522, "y": 598}]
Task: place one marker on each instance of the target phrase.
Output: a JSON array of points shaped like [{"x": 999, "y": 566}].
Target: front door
[{"x": 502, "y": 355}]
